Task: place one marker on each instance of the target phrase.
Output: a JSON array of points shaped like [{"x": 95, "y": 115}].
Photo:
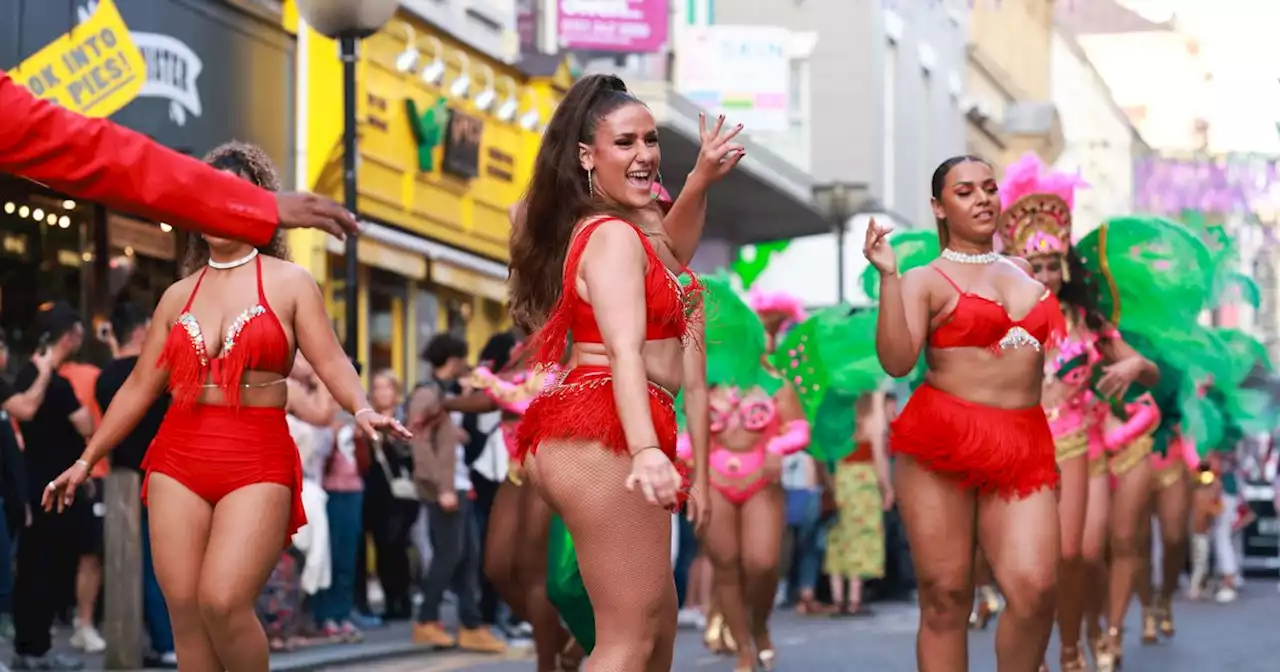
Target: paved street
[{"x": 1239, "y": 637}]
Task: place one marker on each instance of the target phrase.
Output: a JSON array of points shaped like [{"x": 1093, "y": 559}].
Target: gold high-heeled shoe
[
  {"x": 1167, "y": 629},
  {"x": 986, "y": 608},
  {"x": 717, "y": 637},
  {"x": 1150, "y": 631},
  {"x": 1110, "y": 652}
]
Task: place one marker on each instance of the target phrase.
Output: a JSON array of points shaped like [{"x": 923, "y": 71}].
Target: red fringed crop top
[
  {"x": 979, "y": 322},
  {"x": 255, "y": 341},
  {"x": 667, "y": 304}
]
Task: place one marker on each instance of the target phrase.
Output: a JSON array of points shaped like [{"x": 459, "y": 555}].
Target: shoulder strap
[
  {"x": 262, "y": 295},
  {"x": 195, "y": 289},
  {"x": 947, "y": 278},
  {"x": 579, "y": 243}
]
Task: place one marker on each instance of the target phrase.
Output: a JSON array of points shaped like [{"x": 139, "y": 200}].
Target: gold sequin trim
[
  {"x": 1071, "y": 446},
  {"x": 1128, "y": 457}
]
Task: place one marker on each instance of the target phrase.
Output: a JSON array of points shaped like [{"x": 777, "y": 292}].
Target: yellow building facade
[
  {"x": 1009, "y": 81},
  {"x": 441, "y": 162}
]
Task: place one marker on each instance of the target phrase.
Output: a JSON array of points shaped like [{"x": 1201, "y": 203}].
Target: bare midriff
[
  {"x": 263, "y": 389},
  {"x": 1010, "y": 378},
  {"x": 663, "y": 360}
]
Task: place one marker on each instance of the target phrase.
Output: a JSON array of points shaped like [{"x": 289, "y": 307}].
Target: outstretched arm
[
  {"x": 143, "y": 386},
  {"x": 319, "y": 344}
]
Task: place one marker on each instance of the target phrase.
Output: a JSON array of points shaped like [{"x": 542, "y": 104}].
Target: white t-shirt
[{"x": 461, "y": 472}]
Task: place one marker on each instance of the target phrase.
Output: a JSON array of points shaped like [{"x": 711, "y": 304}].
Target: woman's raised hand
[
  {"x": 877, "y": 249},
  {"x": 718, "y": 154}
]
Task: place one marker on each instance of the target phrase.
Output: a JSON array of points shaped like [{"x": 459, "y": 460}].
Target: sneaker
[
  {"x": 350, "y": 632},
  {"x": 330, "y": 630},
  {"x": 366, "y": 621},
  {"x": 49, "y": 661},
  {"x": 480, "y": 640},
  {"x": 433, "y": 635},
  {"x": 87, "y": 639},
  {"x": 1225, "y": 595},
  {"x": 691, "y": 619},
  {"x": 169, "y": 659}
]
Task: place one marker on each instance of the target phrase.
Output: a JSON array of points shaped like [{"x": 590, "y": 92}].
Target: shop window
[
  {"x": 427, "y": 309},
  {"x": 388, "y": 323},
  {"x": 457, "y": 315},
  {"x": 143, "y": 261}
]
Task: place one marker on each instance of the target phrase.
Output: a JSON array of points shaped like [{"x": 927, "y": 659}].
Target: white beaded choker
[
  {"x": 236, "y": 263},
  {"x": 966, "y": 258}
]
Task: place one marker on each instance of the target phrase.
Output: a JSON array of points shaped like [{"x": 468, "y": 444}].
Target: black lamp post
[
  {"x": 348, "y": 21},
  {"x": 838, "y": 201}
]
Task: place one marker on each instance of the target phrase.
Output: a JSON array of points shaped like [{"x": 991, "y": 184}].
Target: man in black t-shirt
[
  {"x": 129, "y": 324},
  {"x": 54, "y": 438},
  {"x": 13, "y": 473}
]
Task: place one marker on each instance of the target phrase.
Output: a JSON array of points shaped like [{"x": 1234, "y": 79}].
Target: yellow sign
[{"x": 95, "y": 69}]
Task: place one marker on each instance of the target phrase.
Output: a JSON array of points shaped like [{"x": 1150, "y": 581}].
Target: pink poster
[{"x": 627, "y": 26}]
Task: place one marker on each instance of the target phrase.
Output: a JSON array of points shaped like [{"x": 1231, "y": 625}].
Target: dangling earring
[
  {"x": 591, "y": 185},
  {"x": 1066, "y": 269}
]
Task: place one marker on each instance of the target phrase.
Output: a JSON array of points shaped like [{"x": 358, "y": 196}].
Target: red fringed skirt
[
  {"x": 580, "y": 405},
  {"x": 215, "y": 450},
  {"x": 1005, "y": 452}
]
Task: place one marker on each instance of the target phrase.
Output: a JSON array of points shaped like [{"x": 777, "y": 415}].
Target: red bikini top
[
  {"x": 255, "y": 341},
  {"x": 667, "y": 304},
  {"x": 979, "y": 322}
]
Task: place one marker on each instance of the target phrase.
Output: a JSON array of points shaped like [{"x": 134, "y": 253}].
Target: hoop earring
[{"x": 591, "y": 185}]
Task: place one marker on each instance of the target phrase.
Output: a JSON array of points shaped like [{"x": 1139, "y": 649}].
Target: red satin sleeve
[{"x": 98, "y": 160}]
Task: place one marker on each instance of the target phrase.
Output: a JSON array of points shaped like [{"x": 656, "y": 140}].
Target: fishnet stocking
[{"x": 624, "y": 552}]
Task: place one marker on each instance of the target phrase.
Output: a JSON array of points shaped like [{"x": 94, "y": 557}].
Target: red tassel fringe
[
  {"x": 186, "y": 373},
  {"x": 1005, "y": 452},
  {"x": 581, "y": 406}
]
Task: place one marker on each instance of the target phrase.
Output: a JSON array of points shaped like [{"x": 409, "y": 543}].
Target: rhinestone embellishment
[
  {"x": 233, "y": 332},
  {"x": 1018, "y": 337},
  {"x": 191, "y": 325}
]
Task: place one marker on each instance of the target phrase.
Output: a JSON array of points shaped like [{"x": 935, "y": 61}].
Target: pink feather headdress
[
  {"x": 789, "y": 305},
  {"x": 1037, "y": 208}
]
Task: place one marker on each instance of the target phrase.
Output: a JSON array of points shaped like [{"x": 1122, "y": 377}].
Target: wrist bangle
[
  {"x": 637, "y": 452},
  {"x": 366, "y": 409},
  {"x": 84, "y": 463}
]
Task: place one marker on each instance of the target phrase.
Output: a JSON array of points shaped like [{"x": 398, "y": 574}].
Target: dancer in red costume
[
  {"x": 223, "y": 475},
  {"x": 975, "y": 457},
  {"x": 599, "y": 444},
  {"x": 1036, "y": 226},
  {"x": 125, "y": 170}
]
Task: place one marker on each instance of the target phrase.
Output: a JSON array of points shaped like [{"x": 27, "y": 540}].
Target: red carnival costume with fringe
[
  {"x": 125, "y": 170},
  {"x": 579, "y": 403},
  {"x": 1006, "y": 452},
  {"x": 214, "y": 450}
]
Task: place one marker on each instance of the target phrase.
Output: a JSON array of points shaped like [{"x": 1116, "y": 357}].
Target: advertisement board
[
  {"x": 626, "y": 26},
  {"x": 743, "y": 72}
]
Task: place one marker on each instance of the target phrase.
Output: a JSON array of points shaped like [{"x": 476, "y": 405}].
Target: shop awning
[
  {"x": 406, "y": 254},
  {"x": 766, "y": 198}
]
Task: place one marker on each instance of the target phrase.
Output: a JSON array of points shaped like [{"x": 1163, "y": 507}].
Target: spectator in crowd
[
  {"x": 13, "y": 473},
  {"x": 333, "y": 606},
  {"x": 83, "y": 594},
  {"x": 129, "y": 324},
  {"x": 391, "y": 507},
  {"x": 52, "y": 544},
  {"x": 444, "y": 485}
]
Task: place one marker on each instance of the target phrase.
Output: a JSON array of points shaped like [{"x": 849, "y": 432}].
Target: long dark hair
[
  {"x": 558, "y": 198},
  {"x": 253, "y": 164},
  {"x": 939, "y": 182},
  {"x": 1081, "y": 292}
]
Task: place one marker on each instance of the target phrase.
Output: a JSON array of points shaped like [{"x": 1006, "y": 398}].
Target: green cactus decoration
[{"x": 428, "y": 130}]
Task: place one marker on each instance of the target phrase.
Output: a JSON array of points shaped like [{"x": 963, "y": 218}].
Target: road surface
[{"x": 1240, "y": 637}]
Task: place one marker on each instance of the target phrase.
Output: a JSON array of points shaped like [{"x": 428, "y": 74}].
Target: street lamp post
[
  {"x": 838, "y": 201},
  {"x": 348, "y": 21}
]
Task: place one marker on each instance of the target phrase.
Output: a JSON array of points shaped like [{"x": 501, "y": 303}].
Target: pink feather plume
[
  {"x": 1029, "y": 176},
  {"x": 762, "y": 301}
]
